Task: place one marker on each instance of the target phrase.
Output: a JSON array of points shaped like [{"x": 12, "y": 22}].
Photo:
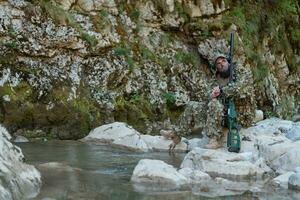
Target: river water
[{"x": 74, "y": 170}]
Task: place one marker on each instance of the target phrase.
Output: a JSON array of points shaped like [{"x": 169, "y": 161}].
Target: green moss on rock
[
  {"x": 136, "y": 111},
  {"x": 73, "y": 118}
]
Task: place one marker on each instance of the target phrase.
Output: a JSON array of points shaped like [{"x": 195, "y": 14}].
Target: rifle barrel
[{"x": 231, "y": 55}]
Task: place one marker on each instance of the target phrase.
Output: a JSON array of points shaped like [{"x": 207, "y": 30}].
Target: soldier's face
[{"x": 222, "y": 64}]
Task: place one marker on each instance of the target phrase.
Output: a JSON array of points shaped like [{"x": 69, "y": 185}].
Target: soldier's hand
[{"x": 215, "y": 92}]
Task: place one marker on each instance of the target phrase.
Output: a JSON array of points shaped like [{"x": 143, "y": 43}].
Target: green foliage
[
  {"x": 136, "y": 98},
  {"x": 101, "y": 20},
  {"x": 205, "y": 33},
  {"x": 169, "y": 98},
  {"x": 130, "y": 62},
  {"x": 63, "y": 17},
  {"x": 9, "y": 44},
  {"x": 104, "y": 13},
  {"x": 270, "y": 114},
  {"x": 204, "y": 30},
  {"x": 166, "y": 39},
  {"x": 215, "y": 27},
  {"x": 161, "y": 7},
  {"x": 287, "y": 107},
  {"x": 293, "y": 65},
  {"x": 287, "y": 6},
  {"x": 76, "y": 117},
  {"x": 251, "y": 28},
  {"x": 11, "y": 32},
  {"x": 124, "y": 50},
  {"x": 228, "y": 2},
  {"x": 136, "y": 111},
  {"x": 84, "y": 106},
  {"x": 247, "y": 21},
  {"x": 59, "y": 15},
  {"x": 295, "y": 35},
  {"x": 186, "y": 57},
  {"x": 238, "y": 16},
  {"x": 182, "y": 11},
  {"x": 147, "y": 54},
  {"x": 20, "y": 93},
  {"x": 20, "y": 108},
  {"x": 260, "y": 72},
  {"x": 163, "y": 61},
  {"x": 277, "y": 20},
  {"x": 90, "y": 39},
  {"x": 121, "y": 51},
  {"x": 124, "y": 6},
  {"x": 135, "y": 15}
]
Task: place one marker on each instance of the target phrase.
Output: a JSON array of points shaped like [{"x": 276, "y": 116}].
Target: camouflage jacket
[
  {"x": 241, "y": 90},
  {"x": 241, "y": 86}
]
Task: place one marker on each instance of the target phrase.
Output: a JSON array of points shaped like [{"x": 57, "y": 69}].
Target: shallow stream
[{"x": 74, "y": 170}]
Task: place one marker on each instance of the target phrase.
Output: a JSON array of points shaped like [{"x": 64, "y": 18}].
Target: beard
[{"x": 224, "y": 74}]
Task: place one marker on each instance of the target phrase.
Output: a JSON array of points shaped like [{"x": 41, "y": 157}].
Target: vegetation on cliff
[{"x": 268, "y": 33}]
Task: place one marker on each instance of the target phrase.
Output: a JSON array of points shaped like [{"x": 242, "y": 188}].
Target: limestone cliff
[{"x": 69, "y": 66}]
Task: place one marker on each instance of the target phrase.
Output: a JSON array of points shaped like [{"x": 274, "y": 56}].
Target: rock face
[
  {"x": 205, "y": 8},
  {"x": 193, "y": 119},
  {"x": 69, "y": 66},
  {"x": 17, "y": 179}
]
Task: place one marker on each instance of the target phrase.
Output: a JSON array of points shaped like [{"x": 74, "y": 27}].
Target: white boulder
[
  {"x": 119, "y": 134},
  {"x": 221, "y": 163},
  {"x": 197, "y": 142},
  {"x": 123, "y": 135},
  {"x": 20, "y": 139},
  {"x": 157, "y": 175},
  {"x": 17, "y": 179}
]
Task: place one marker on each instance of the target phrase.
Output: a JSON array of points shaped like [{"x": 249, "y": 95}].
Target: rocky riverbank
[
  {"x": 269, "y": 156},
  {"x": 18, "y": 180}
]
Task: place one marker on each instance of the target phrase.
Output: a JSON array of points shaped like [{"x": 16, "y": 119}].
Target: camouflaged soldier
[{"x": 240, "y": 90}]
